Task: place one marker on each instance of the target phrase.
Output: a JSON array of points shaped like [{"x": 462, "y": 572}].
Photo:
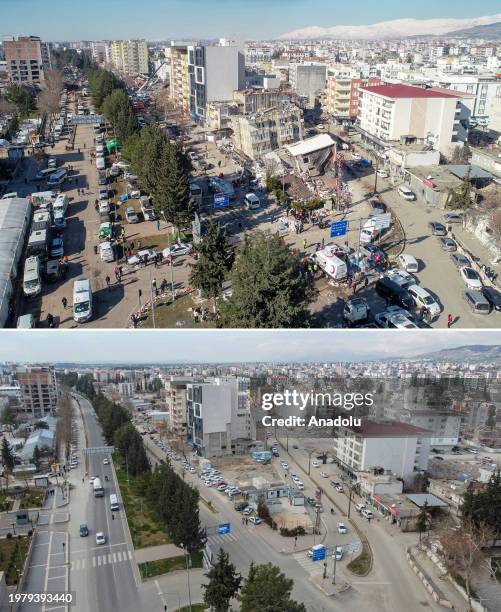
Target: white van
[
  {"x": 32, "y": 279},
  {"x": 61, "y": 203},
  {"x": 252, "y": 201},
  {"x": 114, "y": 502},
  {"x": 106, "y": 251},
  {"x": 408, "y": 262},
  {"x": 406, "y": 192},
  {"x": 100, "y": 163},
  {"x": 423, "y": 299},
  {"x": 82, "y": 300},
  {"x": 332, "y": 265}
]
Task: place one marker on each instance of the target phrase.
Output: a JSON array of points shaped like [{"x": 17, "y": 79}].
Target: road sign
[
  {"x": 221, "y": 200},
  {"x": 318, "y": 553},
  {"x": 339, "y": 228},
  {"x": 381, "y": 221},
  {"x": 224, "y": 529},
  {"x": 86, "y": 119}
]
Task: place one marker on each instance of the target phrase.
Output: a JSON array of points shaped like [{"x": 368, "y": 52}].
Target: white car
[
  {"x": 131, "y": 215},
  {"x": 150, "y": 255},
  {"x": 394, "y": 320},
  {"x": 338, "y": 553},
  {"x": 107, "y": 251},
  {"x": 300, "y": 485},
  {"x": 356, "y": 155},
  {"x": 401, "y": 277},
  {"x": 315, "y": 464},
  {"x": 341, "y": 528},
  {"x": 100, "y": 538},
  {"x": 179, "y": 248},
  {"x": 255, "y": 520},
  {"x": 295, "y": 477},
  {"x": 104, "y": 206},
  {"x": 106, "y": 462},
  {"x": 324, "y": 475},
  {"x": 339, "y": 488},
  {"x": 382, "y": 173},
  {"x": 471, "y": 278}
]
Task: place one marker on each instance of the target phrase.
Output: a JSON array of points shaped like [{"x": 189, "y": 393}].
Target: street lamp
[{"x": 188, "y": 563}]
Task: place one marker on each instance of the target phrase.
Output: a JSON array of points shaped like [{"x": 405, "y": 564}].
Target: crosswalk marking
[
  {"x": 312, "y": 567},
  {"x": 216, "y": 539},
  {"x": 100, "y": 560}
]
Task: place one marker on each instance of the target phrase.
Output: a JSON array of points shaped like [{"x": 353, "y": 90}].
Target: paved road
[{"x": 102, "y": 576}]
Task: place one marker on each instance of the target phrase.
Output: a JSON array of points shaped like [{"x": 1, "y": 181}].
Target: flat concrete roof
[
  {"x": 474, "y": 171},
  {"x": 420, "y": 499},
  {"x": 310, "y": 145}
]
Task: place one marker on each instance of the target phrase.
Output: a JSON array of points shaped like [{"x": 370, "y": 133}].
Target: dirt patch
[
  {"x": 242, "y": 470},
  {"x": 291, "y": 519}
]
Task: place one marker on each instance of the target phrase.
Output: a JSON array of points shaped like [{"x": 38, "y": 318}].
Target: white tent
[{"x": 15, "y": 216}]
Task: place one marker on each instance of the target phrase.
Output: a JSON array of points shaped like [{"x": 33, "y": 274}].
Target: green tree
[
  {"x": 463, "y": 197},
  {"x": 224, "y": 583},
  {"x": 7, "y": 455},
  {"x": 481, "y": 506},
  {"x": 36, "y": 457},
  {"x": 268, "y": 288},
  {"x": 267, "y": 589},
  {"x": 101, "y": 84},
  {"x": 423, "y": 520},
  {"x": 214, "y": 262},
  {"x": 9, "y": 415},
  {"x": 187, "y": 530},
  {"x": 171, "y": 196},
  {"x": 23, "y": 97},
  {"x": 118, "y": 110}
]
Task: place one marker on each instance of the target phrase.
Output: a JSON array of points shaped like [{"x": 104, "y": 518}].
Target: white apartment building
[
  {"x": 126, "y": 389},
  {"x": 101, "y": 52},
  {"x": 495, "y": 116},
  {"x": 218, "y": 413},
  {"x": 308, "y": 78},
  {"x": 483, "y": 88},
  {"x": 392, "y": 113},
  {"x": 400, "y": 448},
  {"x": 214, "y": 72},
  {"x": 130, "y": 56}
]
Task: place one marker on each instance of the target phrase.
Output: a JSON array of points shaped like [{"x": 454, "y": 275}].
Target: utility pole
[
  {"x": 334, "y": 568},
  {"x": 310, "y": 453}
]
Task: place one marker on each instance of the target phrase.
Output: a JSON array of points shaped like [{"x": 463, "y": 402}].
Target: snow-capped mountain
[{"x": 398, "y": 28}]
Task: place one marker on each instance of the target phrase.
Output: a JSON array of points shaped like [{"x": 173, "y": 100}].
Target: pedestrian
[
  {"x": 65, "y": 302},
  {"x": 366, "y": 282},
  {"x": 134, "y": 320},
  {"x": 323, "y": 243},
  {"x": 450, "y": 321},
  {"x": 120, "y": 271},
  {"x": 85, "y": 145},
  {"x": 304, "y": 244},
  {"x": 354, "y": 286},
  {"x": 108, "y": 279},
  {"x": 158, "y": 225},
  {"x": 138, "y": 245},
  {"x": 25, "y": 181},
  {"x": 132, "y": 246}
]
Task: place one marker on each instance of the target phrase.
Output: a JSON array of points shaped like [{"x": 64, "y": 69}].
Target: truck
[
  {"x": 42, "y": 198},
  {"x": 41, "y": 221},
  {"x": 333, "y": 266},
  {"x": 98, "y": 488},
  {"x": 147, "y": 208},
  {"x": 38, "y": 243}
]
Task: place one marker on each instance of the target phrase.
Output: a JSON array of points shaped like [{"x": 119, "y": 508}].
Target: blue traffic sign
[
  {"x": 224, "y": 528},
  {"x": 319, "y": 553},
  {"x": 221, "y": 200},
  {"x": 339, "y": 228}
]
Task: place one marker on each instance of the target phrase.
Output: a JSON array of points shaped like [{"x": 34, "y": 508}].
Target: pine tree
[
  {"x": 267, "y": 589},
  {"x": 36, "y": 457},
  {"x": 187, "y": 530},
  {"x": 214, "y": 261},
  {"x": 224, "y": 583},
  {"x": 7, "y": 455},
  {"x": 423, "y": 520},
  {"x": 268, "y": 288}
]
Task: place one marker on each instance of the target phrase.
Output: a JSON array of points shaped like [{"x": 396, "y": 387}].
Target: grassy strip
[
  {"x": 164, "y": 566},
  {"x": 361, "y": 564},
  {"x": 33, "y": 499},
  {"x": 12, "y": 557},
  {"x": 145, "y": 527}
]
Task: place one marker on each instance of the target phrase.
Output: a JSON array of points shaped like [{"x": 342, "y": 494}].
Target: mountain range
[
  {"x": 468, "y": 353},
  {"x": 399, "y": 28},
  {"x": 491, "y": 31}
]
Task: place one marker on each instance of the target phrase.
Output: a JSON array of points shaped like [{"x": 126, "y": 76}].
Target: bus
[
  {"x": 113, "y": 502},
  {"x": 98, "y": 488},
  {"x": 57, "y": 178}
]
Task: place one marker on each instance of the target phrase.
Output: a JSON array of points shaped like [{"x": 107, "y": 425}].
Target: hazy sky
[
  {"x": 218, "y": 346},
  {"x": 163, "y": 19}
]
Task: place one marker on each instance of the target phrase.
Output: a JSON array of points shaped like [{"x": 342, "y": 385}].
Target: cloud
[{"x": 398, "y": 28}]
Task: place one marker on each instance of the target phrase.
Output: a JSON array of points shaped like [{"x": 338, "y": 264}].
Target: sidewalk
[{"x": 153, "y": 553}]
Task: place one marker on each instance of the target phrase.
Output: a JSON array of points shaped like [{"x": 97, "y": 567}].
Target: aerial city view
[
  {"x": 216, "y": 168},
  {"x": 276, "y": 228},
  {"x": 158, "y": 484}
]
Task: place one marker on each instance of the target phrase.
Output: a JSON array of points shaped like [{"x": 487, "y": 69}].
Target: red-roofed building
[
  {"x": 397, "y": 113},
  {"x": 401, "y": 448}
]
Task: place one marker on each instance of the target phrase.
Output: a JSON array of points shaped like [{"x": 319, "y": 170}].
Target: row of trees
[
  {"x": 129, "y": 443},
  {"x": 164, "y": 172},
  {"x": 111, "y": 416},
  {"x": 176, "y": 504},
  {"x": 269, "y": 290},
  {"x": 265, "y": 589}
]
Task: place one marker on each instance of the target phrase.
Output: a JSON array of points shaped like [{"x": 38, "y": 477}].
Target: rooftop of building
[
  {"x": 398, "y": 91},
  {"x": 310, "y": 145},
  {"x": 388, "y": 429}
]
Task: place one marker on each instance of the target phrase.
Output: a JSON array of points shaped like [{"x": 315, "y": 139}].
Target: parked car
[
  {"x": 453, "y": 218},
  {"x": 448, "y": 244},
  {"x": 255, "y": 520},
  {"x": 324, "y": 475},
  {"x": 179, "y": 248},
  {"x": 437, "y": 229},
  {"x": 131, "y": 215},
  {"x": 493, "y": 296},
  {"x": 382, "y": 174},
  {"x": 471, "y": 278},
  {"x": 149, "y": 254},
  {"x": 341, "y": 528},
  {"x": 57, "y": 248},
  {"x": 460, "y": 261}
]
